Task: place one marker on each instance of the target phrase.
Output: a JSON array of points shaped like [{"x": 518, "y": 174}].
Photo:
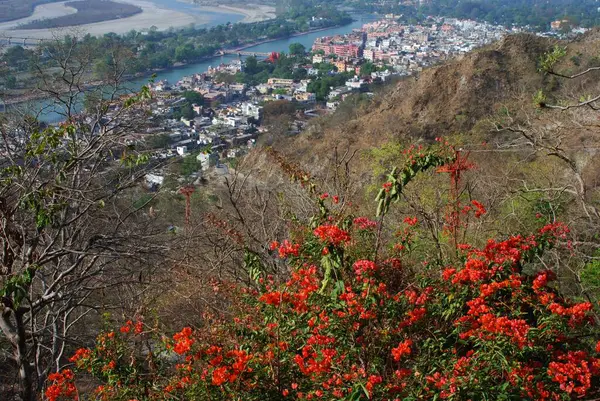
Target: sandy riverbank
[
  {"x": 151, "y": 15},
  {"x": 51, "y": 10},
  {"x": 251, "y": 12}
]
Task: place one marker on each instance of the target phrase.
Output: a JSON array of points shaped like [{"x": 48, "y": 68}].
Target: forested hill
[
  {"x": 520, "y": 12},
  {"x": 535, "y": 13}
]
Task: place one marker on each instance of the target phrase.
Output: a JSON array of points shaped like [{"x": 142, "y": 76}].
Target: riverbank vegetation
[{"x": 153, "y": 50}]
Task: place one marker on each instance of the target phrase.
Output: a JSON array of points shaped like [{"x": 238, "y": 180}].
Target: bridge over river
[
  {"x": 243, "y": 53},
  {"x": 22, "y": 41}
]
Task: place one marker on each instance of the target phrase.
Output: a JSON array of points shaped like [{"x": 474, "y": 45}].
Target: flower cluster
[
  {"x": 183, "y": 341},
  {"x": 332, "y": 234},
  {"x": 363, "y": 223},
  {"x": 573, "y": 371},
  {"x": 402, "y": 349},
  {"x": 61, "y": 386},
  {"x": 285, "y": 249},
  {"x": 344, "y": 325}
]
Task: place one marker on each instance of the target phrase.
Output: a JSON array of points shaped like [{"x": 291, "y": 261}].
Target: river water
[{"x": 49, "y": 113}]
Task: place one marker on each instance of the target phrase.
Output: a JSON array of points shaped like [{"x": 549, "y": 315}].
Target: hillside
[
  {"x": 444, "y": 99},
  {"x": 457, "y": 97},
  {"x": 279, "y": 278}
]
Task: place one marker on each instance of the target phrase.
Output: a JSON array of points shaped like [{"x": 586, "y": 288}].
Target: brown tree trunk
[
  {"x": 25, "y": 379},
  {"x": 15, "y": 333}
]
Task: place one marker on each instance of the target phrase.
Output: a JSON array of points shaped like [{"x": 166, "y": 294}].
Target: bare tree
[{"x": 70, "y": 237}]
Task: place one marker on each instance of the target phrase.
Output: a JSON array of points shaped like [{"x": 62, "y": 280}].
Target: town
[{"x": 216, "y": 116}]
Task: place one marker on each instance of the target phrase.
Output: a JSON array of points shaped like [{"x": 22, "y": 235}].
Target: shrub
[{"x": 349, "y": 324}]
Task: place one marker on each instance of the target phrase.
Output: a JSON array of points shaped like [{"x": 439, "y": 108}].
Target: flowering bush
[{"x": 351, "y": 325}]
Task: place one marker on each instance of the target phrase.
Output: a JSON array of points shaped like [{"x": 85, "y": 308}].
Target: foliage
[
  {"x": 190, "y": 165},
  {"x": 351, "y": 324},
  {"x": 162, "y": 49},
  {"x": 535, "y": 13},
  {"x": 16, "y": 57},
  {"x": 549, "y": 59},
  {"x": 160, "y": 141},
  {"x": 278, "y": 108},
  {"x": 322, "y": 85},
  {"x": 297, "y": 49},
  {"x": 286, "y": 66},
  {"x": 367, "y": 68}
]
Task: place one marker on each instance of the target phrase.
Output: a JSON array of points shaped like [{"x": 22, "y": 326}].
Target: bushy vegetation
[
  {"x": 162, "y": 49},
  {"x": 356, "y": 319}
]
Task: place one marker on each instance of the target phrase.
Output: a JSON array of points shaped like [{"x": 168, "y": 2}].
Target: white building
[
  {"x": 154, "y": 179},
  {"x": 252, "y": 110},
  {"x": 207, "y": 160}
]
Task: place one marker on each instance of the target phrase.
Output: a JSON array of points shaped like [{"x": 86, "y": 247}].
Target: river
[{"x": 50, "y": 115}]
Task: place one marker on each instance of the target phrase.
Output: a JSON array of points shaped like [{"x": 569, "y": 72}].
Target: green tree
[
  {"x": 297, "y": 49},
  {"x": 367, "y": 68},
  {"x": 159, "y": 141},
  {"x": 187, "y": 112},
  {"x": 193, "y": 97},
  {"x": 190, "y": 164},
  {"x": 251, "y": 65}
]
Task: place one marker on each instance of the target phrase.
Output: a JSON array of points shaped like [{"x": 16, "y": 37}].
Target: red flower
[
  {"x": 448, "y": 273},
  {"x": 542, "y": 279},
  {"x": 364, "y": 268},
  {"x": 139, "y": 327},
  {"x": 220, "y": 376},
  {"x": 287, "y": 248},
  {"x": 572, "y": 371},
  {"x": 274, "y": 298},
  {"x": 402, "y": 349},
  {"x": 62, "y": 386},
  {"x": 480, "y": 208},
  {"x": 183, "y": 342},
  {"x": 80, "y": 355},
  {"x": 127, "y": 327},
  {"x": 411, "y": 221},
  {"x": 332, "y": 234},
  {"x": 364, "y": 224}
]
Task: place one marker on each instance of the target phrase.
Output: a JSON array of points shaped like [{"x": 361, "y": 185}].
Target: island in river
[{"x": 159, "y": 14}]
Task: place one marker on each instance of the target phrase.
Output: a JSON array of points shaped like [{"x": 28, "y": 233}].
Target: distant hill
[{"x": 538, "y": 13}]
